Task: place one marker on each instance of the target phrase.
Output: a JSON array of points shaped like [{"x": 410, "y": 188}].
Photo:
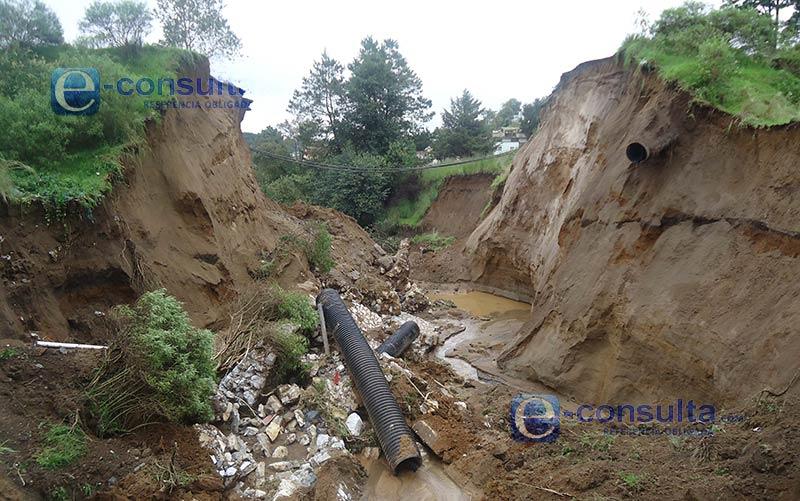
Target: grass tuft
[
  {"x": 63, "y": 445},
  {"x": 632, "y": 481},
  {"x": 433, "y": 240},
  {"x": 9, "y": 353}
]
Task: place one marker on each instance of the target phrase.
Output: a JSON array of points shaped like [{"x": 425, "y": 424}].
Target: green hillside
[
  {"x": 61, "y": 159},
  {"x": 732, "y": 59}
]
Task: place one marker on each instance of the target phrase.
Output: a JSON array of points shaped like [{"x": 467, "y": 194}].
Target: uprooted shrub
[{"x": 158, "y": 368}]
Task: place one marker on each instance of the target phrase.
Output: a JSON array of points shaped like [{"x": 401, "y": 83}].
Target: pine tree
[{"x": 464, "y": 130}]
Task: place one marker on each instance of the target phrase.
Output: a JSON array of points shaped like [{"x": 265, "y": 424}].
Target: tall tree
[
  {"x": 507, "y": 114},
  {"x": 118, "y": 24},
  {"x": 384, "y": 98},
  {"x": 530, "y": 116},
  {"x": 320, "y": 99},
  {"x": 198, "y": 25},
  {"x": 28, "y": 23},
  {"x": 464, "y": 130},
  {"x": 772, "y": 8}
]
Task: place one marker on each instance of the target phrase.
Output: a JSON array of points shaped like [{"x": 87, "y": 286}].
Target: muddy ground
[{"x": 473, "y": 457}]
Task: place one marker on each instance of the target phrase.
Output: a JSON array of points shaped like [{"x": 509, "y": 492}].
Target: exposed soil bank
[
  {"x": 459, "y": 206},
  {"x": 189, "y": 216},
  {"x": 670, "y": 277}
]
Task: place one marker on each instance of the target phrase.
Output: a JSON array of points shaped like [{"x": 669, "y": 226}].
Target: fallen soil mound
[{"x": 675, "y": 276}]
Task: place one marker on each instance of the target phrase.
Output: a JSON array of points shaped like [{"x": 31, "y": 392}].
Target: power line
[{"x": 353, "y": 168}]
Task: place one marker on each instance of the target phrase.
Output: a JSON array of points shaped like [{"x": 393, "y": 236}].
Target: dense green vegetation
[
  {"x": 295, "y": 307},
  {"x": 160, "y": 367},
  {"x": 735, "y": 59},
  {"x": 465, "y": 130},
  {"x": 373, "y": 118},
  {"x": 54, "y": 159},
  {"x": 58, "y": 159}
]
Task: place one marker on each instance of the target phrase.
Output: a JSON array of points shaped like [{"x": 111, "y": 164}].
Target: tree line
[
  {"x": 372, "y": 113},
  {"x": 194, "y": 25}
]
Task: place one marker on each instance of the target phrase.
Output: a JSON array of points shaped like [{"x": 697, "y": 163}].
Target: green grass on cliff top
[
  {"x": 756, "y": 93},
  {"x": 731, "y": 59},
  {"x": 409, "y": 212},
  {"x": 59, "y": 160}
]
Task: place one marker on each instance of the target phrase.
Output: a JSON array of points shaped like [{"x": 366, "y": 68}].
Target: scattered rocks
[
  {"x": 354, "y": 424},
  {"x": 263, "y": 443},
  {"x": 273, "y": 404},
  {"x": 274, "y": 428},
  {"x": 244, "y": 382},
  {"x": 299, "y": 417},
  {"x": 289, "y": 393},
  {"x": 385, "y": 262},
  {"x": 280, "y": 452},
  {"x": 413, "y": 299}
]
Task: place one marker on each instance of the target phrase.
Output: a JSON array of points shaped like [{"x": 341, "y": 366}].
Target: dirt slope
[
  {"x": 458, "y": 208},
  {"x": 189, "y": 217},
  {"x": 674, "y": 277}
]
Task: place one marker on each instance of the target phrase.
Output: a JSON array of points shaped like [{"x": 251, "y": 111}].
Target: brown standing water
[
  {"x": 483, "y": 304},
  {"x": 495, "y": 321},
  {"x": 428, "y": 483}
]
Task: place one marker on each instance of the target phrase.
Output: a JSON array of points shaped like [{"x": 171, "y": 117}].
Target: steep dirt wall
[
  {"x": 672, "y": 278},
  {"x": 189, "y": 216},
  {"x": 459, "y": 205}
]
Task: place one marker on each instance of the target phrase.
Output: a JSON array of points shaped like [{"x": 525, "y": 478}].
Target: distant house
[{"x": 508, "y": 139}]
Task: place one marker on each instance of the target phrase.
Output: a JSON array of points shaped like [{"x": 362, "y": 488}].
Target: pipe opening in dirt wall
[{"x": 637, "y": 152}]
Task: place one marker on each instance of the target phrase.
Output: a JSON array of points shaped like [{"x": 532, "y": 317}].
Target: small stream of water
[
  {"x": 494, "y": 316},
  {"x": 504, "y": 316},
  {"x": 428, "y": 483}
]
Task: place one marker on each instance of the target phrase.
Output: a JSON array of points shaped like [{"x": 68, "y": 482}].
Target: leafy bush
[
  {"x": 63, "y": 445},
  {"x": 717, "y": 66},
  {"x": 318, "y": 251},
  {"x": 359, "y": 194},
  {"x": 295, "y": 307},
  {"x": 160, "y": 367},
  {"x": 289, "y": 189},
  {"x": 291, "y": 348}
]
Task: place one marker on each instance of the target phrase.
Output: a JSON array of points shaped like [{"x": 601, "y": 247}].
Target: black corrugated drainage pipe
[
  {"x": 394, "y": 436},
  {"x": 399, "y": 342}
]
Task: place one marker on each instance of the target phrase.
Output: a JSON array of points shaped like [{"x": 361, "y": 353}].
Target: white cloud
[{"x": 498, "y": 50}]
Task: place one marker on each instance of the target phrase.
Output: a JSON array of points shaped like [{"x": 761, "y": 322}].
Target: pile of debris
[
  {"x": 390, "y": 291},
  {"x": 270, "y": 445}
]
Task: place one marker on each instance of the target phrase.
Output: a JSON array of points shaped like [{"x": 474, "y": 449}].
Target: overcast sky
[{"x": 497, "y": 50}]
